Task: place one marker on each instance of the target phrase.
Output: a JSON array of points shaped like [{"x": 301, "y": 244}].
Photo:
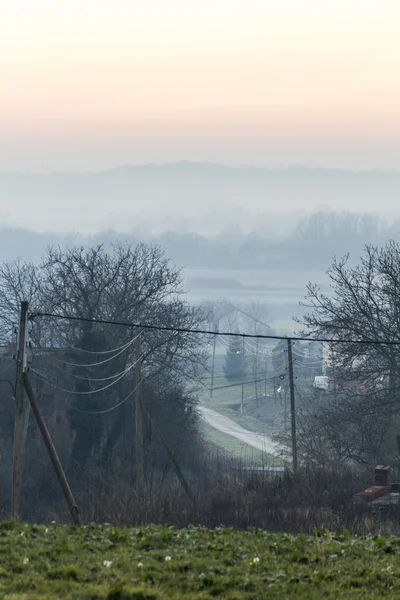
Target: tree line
[{"x": 309, "y": 242}]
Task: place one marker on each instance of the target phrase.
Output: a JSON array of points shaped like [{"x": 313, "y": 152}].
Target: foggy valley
[
  {"x": 199, "y": 300},
  {"x": 195, "y": 197},
  {"x": 240, "y": 233}
]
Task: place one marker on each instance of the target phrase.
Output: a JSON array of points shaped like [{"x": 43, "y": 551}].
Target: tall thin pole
[
  {"x": 284, "y": 409},
  {"x": 138, "y": 410},
  {"x": 266, "y": 377},
  {"x": 52, "y": 453},
  {"x": 333, "y": 370},
  {"x": 213, "y": 361},
  {"x": 292, "y": 405},
  {"x": 19, "y": 411},
  {"x": 243, "y": 376}
]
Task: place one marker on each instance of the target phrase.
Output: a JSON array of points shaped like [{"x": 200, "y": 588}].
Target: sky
[{"x": 88, "y": 85}]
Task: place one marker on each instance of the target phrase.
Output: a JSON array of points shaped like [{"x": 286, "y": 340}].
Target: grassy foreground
[{"x": 158, "y": 562}]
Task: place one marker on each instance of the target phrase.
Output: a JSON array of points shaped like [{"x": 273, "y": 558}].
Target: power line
[
  {"x": 107, "y": 410},
  {"x": 207, "y": 332},
  {"x": 250, "y": 316},
  {"x": 88, "y": 379},
  {"x": 76, "y": 349},
  {"x": 221, "y": 387},
  {"x": 96, "y": 412},
  {"x": 101, "y": 362},
  {"x": 207, "y": 388},
  {"x": 102, "y": 389}
]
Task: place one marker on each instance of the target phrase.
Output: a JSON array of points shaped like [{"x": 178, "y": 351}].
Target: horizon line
[{"x": 289, "y": 166}]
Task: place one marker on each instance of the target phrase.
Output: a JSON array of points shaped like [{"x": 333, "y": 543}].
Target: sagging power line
[
  {"x": 110, "y": 355},
  {"x": 212, "y": 333}
]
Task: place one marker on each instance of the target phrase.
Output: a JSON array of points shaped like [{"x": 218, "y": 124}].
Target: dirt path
[{"x": 230, "y": 427}]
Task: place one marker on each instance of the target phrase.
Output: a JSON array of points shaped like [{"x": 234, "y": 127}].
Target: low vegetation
[{"x": 160, "y": 562}]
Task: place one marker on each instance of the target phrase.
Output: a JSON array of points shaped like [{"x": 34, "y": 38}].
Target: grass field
[
  {"x": 156, "y": 563},
  {"x": 239, "y": 449},
  {"x": 267, "y": 417}
]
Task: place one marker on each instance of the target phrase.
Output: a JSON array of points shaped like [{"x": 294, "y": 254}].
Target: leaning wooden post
[{"x": 52, "y": 453}]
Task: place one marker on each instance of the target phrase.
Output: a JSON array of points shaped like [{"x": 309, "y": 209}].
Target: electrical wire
[
  {"x": 211, "y": 333},
  {"x": 76, "y": 349},
  {"x": 208, "y": 388},
  {"x": 224, "y": 342},
  {"x": 307, "y": 363},
  {"x": 222, "y": 387},
  {"x": 276, "y": 373},
  {"x": 305, "y": 354},
  {"x": 88, "y": 379},
  {"x": 102, "y": 362},
  {"x": 106, "y": 387},
  {"x": 107, "y": 410},
  {"x": 278, "y": 354},
  {"x": 250, "y": 316}
]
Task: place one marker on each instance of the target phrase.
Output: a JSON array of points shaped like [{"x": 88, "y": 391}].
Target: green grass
[
  {"x": 266, "y": 418},
  {"x": 245, "y": 420},
  {"x": 239, "y": 449},
  {"x": 157, "y": 562}
]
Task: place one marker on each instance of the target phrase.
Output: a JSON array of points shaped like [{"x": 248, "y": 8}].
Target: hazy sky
[{"x": 91, "y": 84}]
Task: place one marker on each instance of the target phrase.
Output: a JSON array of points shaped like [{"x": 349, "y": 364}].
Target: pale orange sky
[{"x": 311, "y": 82}]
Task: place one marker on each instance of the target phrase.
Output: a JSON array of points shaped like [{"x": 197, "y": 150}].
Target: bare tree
[
  {"x": 18, "y": 281},
  {"x": 361, "y": 317},
  {"x": 126, "y": 284}
]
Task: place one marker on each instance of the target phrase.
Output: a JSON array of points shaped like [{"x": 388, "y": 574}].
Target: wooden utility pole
[
  {"x": 285, "y": 418},
  {"x": 138, "y": 411},
  {"x": 292, "y": 405},
  {"x": 52, "y": 452},
  {"x": 213, "y": 360},
  {"x": 18, "y": 452},
  {"x": 266, "y": 378},
  {"x": 243, "y": 376}
]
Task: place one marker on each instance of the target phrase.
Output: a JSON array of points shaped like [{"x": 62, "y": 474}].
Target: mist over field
[
  {"x": 204, "y": 198},
  {"x": 199, "y": 298},
  {"x": 247, "y": 234}
]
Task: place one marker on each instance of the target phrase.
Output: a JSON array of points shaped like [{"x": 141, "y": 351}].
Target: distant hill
[{"x": 120, "y": 197}]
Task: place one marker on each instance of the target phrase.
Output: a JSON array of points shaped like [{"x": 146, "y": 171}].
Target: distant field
[
  {"x": 263, "y": 417},
  {"x": 281, "y": 290},
  {"x": 239, "y": 449},
  {"x": 151, "y": 563}
]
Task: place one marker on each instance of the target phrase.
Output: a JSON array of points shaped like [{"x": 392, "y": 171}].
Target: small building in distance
[{"x": 382, "y": 492}]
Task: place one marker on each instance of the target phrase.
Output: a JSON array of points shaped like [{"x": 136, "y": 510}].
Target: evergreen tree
[{"x": 235, "y": 360}]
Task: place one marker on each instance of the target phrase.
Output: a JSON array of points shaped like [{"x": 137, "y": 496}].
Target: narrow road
[{"x": 230, "y": 427}]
